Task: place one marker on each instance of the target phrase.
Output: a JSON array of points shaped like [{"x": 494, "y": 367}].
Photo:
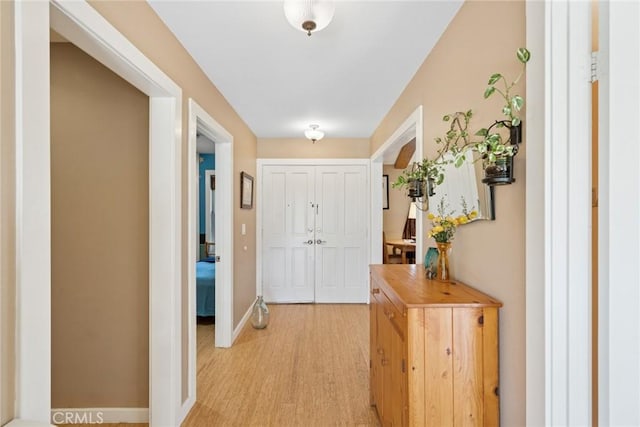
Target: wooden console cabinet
[{"x": 434, "y": 350}]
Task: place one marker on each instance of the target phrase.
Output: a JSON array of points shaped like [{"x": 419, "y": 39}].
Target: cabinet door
[
  {"x": 393, "y": 366},
  {"x": 374, "y": 367},
  {"x": 398, "y": 378}
]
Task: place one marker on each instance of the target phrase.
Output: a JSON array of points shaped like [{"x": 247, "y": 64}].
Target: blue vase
[{"x": 430, "y": 262}]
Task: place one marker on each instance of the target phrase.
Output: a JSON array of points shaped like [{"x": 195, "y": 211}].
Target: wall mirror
[{"x": 464, "y": 182}]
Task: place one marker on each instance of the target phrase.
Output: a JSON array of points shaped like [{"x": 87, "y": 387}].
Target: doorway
[
  {"x": 411, "y": 128},
  {"x": 99, "y": 235},
  {"x": 201, "y": 123},
  {"x": 79, "y": 23},
  {"x": 206, "y": 254}
]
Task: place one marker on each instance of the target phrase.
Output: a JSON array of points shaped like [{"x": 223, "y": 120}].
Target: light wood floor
[{"x": 310, "y": 367}]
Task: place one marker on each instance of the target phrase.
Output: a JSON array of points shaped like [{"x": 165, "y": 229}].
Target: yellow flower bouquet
[{"x": 444, "y": 225}]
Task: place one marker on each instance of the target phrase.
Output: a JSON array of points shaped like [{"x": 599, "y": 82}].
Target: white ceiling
[{"x": 344, "y": 78}]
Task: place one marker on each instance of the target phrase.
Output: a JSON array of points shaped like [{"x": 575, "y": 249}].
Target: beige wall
[
  {"x": 139, "y": 23},
  {"x": 7, "y": 216},
  {"x": 394, "y": 218},
  {"x": 99, "y": 235},
  {"x": 481, "y": 39},
  {"x": 302, "y": 148}
]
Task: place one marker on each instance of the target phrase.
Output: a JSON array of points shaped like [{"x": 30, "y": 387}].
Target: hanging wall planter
[
  {"x": 500, "y": 172},
  {"x": 498, "y": 168},
  {"x": 415, "y": 188}
]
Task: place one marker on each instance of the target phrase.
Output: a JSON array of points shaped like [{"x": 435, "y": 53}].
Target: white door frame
[
  {"x": 82, "y": 25},
  {"x": 619, "y": 231},
  {"x": 260, "y": 194},
  {"x": 414, "y": 121},
  {"x": 558, "y": 211},
  {"x": 200, "y": 120}
]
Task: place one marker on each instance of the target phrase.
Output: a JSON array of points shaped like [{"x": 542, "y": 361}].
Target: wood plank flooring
[{"x": 309, "y": 367}]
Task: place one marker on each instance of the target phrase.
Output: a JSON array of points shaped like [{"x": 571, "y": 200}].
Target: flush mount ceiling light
[
  {"x": 313, "y": 133},
  {"x": 309, "y": 15}
]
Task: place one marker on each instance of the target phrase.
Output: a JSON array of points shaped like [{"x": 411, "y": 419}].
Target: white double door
[{"x": 314, "y": 233}]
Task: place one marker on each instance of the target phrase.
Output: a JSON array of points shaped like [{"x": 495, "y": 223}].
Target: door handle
[
  {"x": 308, "y": 242},
  {"x": 320, "y": 241}
]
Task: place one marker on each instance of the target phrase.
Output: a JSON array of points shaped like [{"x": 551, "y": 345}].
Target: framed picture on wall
[
  {"x": 246, "y": 191},
  {"x": 385, "y": 191}
]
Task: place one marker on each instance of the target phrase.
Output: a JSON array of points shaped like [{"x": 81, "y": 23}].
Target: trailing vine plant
[{"x": 458, "y": 142}]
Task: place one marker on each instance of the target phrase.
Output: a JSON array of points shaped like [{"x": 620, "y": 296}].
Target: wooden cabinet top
[{"x": 410, "y": 285}]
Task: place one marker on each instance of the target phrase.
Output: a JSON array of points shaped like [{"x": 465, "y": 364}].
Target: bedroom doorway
[
  {"x": 206, "y": 253},
  {"x": 202, "y": 126}
]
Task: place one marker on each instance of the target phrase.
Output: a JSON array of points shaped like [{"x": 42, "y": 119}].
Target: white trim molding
[
  {"x": 81, "y": 24},
  {"x": 200, "y": 120},
  {"x": 238, "y": 330},
  {"x": 33, "y": 212},
  {"x": 558, "y": 267},
  {"x": 619, "y": 239},
  {"x": 536, "y": 352}
]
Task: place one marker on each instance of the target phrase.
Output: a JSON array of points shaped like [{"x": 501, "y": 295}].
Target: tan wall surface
[
  {"x": 140, "y": 24},
  {"x": 394, "y": 218},
  {"x": 302, "y": 148},
  {"x": 481, "y": 40},
  {"x": 100, "y": 235},
  {"x": 7, "y": 215}
]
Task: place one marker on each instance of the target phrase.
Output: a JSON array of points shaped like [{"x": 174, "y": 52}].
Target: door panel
[
  {"x": 287, "y": 269},
  {"x": 314, "y": 233},
  {"x": 341, "y": 229}
]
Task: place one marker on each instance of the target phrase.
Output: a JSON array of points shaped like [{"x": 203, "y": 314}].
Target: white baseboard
[
  {"x": 186, "y": 407},
  {"x": 26, "y": 423},
  {"x": 243, "y": 321},
  {"x": 99, "y": 415}
]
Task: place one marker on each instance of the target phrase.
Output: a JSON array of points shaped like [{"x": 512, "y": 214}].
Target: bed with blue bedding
[{"x": 206, "y": 288}]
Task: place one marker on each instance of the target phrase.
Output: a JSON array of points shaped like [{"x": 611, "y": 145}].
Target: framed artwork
[
  {"x": 246, "y": 191},
  {"x": 385, "y": 191}
]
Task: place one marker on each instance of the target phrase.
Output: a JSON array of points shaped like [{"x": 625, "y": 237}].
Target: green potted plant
[
  {"x": 496, "y": 152},
  {"x": 421, "y": 178},
  {"x": 494, "y": 149}
]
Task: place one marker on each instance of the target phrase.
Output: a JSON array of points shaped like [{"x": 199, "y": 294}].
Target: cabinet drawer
[{"x": 391, "y": 312}]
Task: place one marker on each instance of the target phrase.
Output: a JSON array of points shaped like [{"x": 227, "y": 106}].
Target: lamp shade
[
  {"x": 309, "y": 15},
  {"x": 412, "y": 211},
  {"x": 313, "y": 133}
]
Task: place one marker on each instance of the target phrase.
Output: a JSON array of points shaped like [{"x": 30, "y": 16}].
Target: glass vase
[
  {"x": 443, "y": 271},
  {"x": 260, "y": 314}
]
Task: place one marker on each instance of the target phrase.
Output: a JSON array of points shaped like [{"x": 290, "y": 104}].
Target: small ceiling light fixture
[
  {"x": 309, "y": 15},
  {"x": 313, "y": 133}
]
